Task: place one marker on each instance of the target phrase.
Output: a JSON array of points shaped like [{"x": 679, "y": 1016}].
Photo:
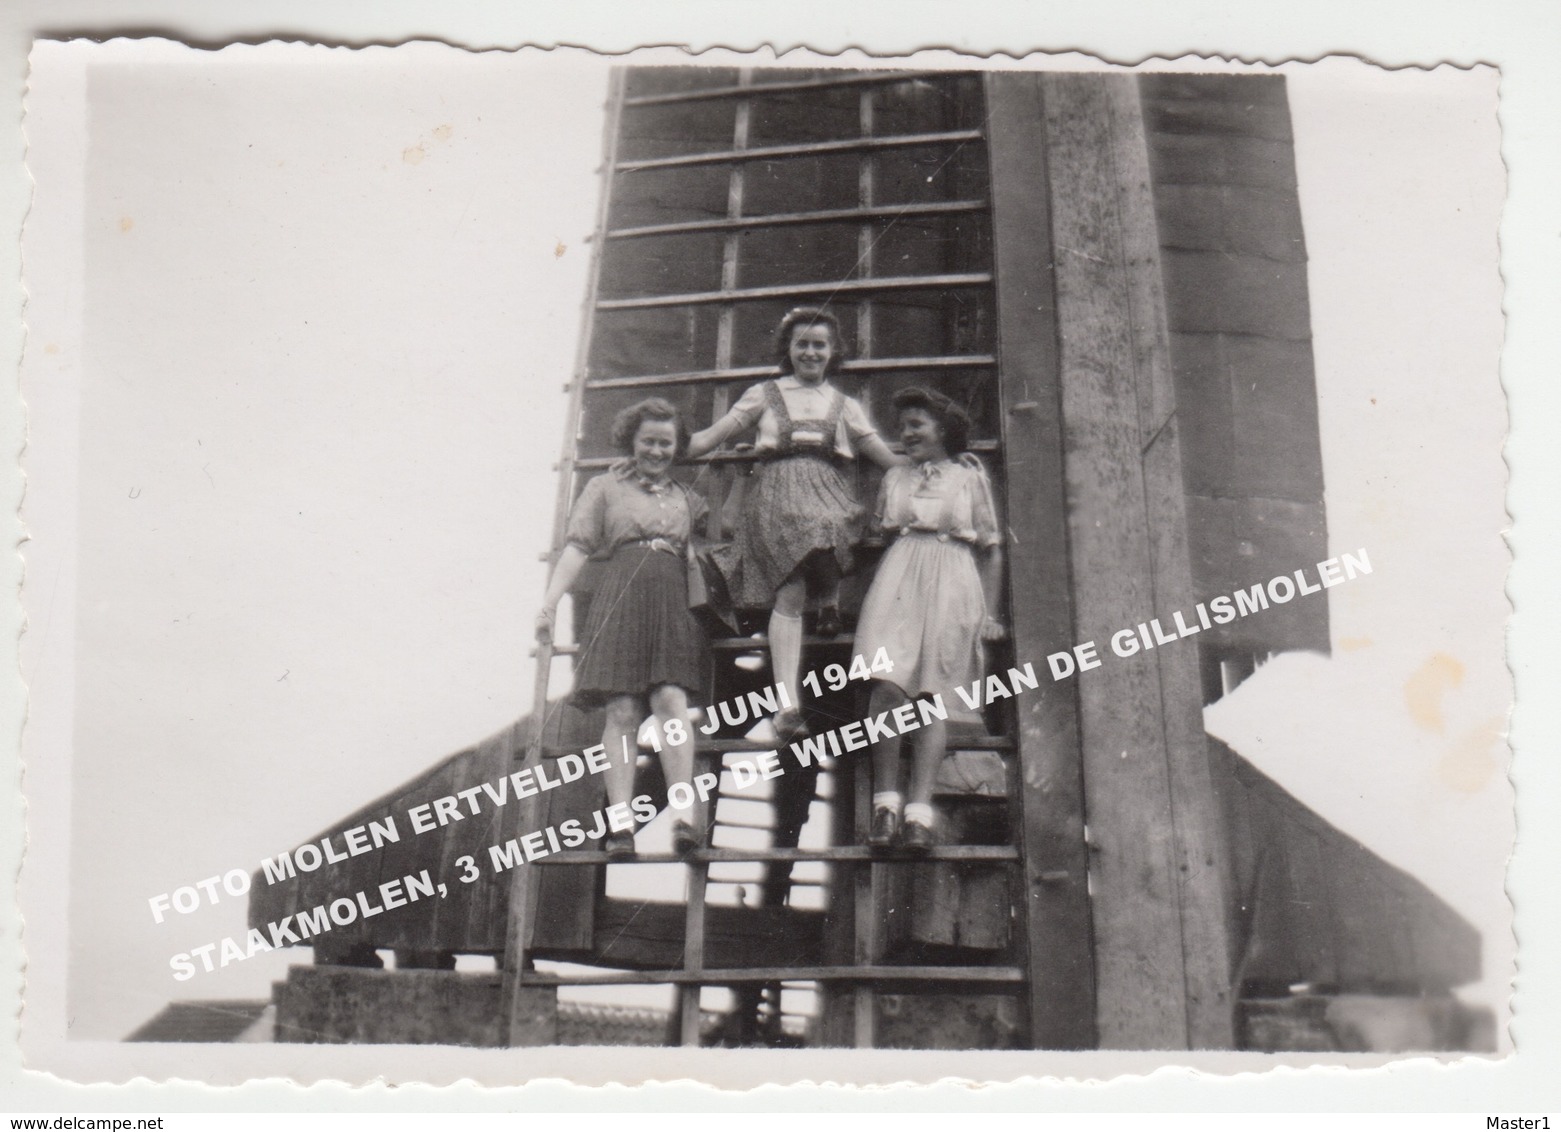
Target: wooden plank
[
  {"x": 822, "y": 287},
  {"x": 846, "y": 78},
  {"x": 571, "y": 857},
  {"x": 648, "y": 935},
  {"x": 749, "y": 457},
  {"x": 693, "y": 952},
  {"x": 1157, "y": 925},
  {"x": 806, "y": 149},
  {"x": 1219, "y": 116},
  {"x": 1248, "y": 90},
  {"x": 1234, "y": 219},
  {"x": 1202, "y": 858},
  {"x": 1060, "y": 999},
  {"x": 759, "y": 373},
  {"x": 818, "y": 216},
  {"x": 1196, "y": 159},
  {"x": 566, "y": 898},
  {"x": 730, "y": 976},
  {"x": 521, "y": 1010}
]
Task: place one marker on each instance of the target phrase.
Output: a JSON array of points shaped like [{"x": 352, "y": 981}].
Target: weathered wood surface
[
  {"x": 1160, "y": 897},
  {"x": 1234, "y": 261},
  {"x": 644, "y": 935},
  {"x": 1317, "y": 907},
  {"x": 329, "y": 1005},
  {"x": 1060, "y": 1002},
  {"x": 469, "y": 917}
]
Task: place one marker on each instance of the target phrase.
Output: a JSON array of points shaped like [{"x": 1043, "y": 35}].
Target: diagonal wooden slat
[
  {"x": 823, "y": 287},
  {"x": 805, "y": 149},
  {"x": 847, "y": 78}
]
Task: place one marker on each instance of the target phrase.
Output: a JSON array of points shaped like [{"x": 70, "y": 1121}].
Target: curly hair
[
  {"x": 952, "y": 419},
  {"x": 809, "y": 316},
  {"x": 626, "y": 425}
]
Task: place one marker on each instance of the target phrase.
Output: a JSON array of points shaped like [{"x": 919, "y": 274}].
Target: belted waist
[
  {"x": 808, "y": 452},
  {"x": 663, "y": 544},
  {"x": 941, "y": 536}
]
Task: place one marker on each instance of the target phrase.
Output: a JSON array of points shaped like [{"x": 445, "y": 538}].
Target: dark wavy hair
[
  {"x": 952, "y": 419},
  {"x": 809, "y": 316},
  {"x": 627, "y": 423}
]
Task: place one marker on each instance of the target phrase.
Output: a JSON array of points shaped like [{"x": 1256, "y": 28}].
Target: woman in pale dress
[
  {"x": 801, "y": 516},
  {"x": 932, "y": 603},
  {"x": 641, "y": 647}
]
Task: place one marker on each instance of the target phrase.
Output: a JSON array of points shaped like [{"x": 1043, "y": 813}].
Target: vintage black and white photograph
[{"x": 761, "y": 557}]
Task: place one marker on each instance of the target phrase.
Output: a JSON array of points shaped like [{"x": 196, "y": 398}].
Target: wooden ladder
[{"x": 855, "y": 870}]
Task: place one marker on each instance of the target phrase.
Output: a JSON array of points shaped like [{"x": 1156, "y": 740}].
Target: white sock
[
  {"x": 918, "y": 812},
  {"x": 887, "y": 800},
  {"x": 786, "y": 653}
]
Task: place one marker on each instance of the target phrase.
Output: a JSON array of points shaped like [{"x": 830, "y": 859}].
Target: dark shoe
[
  {"x": 619, "y": 845},
  {"x": 789, "y": 725},
  {"x": 885, "y": 824},
  {"x": 686, "y": 840},
  {"x": 916, "y": 838},
  {"x": 829, "y": 622}
]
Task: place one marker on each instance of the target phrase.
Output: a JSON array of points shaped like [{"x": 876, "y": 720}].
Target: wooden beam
[
  {"x": 909, "y": 978},
  {"x": 858, "y": 215},
  {"x": 805, "y": 149},
  {"x": 830, "y": 853},
  {"x": 1159, "y": 904},
  {"x": 759, "y": 373},
  {"x": 845, "y": 78},
  {"x": 524, "y": 1023},
  {"x": 1055, "y": 920},
  {"x": 829, "y": 287}
]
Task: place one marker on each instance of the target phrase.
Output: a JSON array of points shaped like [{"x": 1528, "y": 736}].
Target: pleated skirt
[
  {"x": 796, "y": 505},
  {"x": 639, "y": 633}
]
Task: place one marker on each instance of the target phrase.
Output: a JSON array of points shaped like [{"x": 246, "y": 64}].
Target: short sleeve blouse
[
  {"x": 618, "y": 507},
  {"x": 803, "y": 402},
  {"x": 952, "y": 498}
]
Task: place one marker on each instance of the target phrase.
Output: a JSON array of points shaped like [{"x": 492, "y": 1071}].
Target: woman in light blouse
[
  {"x": 641, "y": 646},
  {"x": 802, "y": 516},
  {"x": 932, "y": 602}
]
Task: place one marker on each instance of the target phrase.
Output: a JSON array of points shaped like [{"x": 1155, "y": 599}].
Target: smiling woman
[
  {"x": 803, "y": 517},
  {"x": 640, "y": 646}
]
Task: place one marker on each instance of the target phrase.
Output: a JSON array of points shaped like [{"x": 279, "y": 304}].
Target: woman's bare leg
[
  {"x": 618, "y": 735},
  {"x": 670, "y": 702}
]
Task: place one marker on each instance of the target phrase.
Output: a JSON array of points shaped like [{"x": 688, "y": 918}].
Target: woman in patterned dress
[
  {"x": 932, "y": 602},
  {"x": 641, "y": 647},
  {"x": 802, "y": 516}
]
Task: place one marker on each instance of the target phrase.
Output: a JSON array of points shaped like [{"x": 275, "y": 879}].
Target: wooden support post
[
  {"x": 531, "y": 1012},
  {"x": 1160, "y": 889},
  {"x": 693, "y": 954},
  {"x": 1055, "y": 915}
]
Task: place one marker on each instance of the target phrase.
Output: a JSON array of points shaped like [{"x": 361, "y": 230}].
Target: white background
[{"x": 295, "y": 444}]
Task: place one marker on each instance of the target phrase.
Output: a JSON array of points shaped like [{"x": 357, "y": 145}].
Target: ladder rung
[
  {"x": 718, "y": 976},
  {"x": 831, "y": 287},
  {"x": 805, "y": 149},
  {"x": 743, "y": 746},
  {"x": 823, "y": 216},
  {"x": 749, "y": 456},
  {"x": 759, "y": 373},
  {"x": 847, "y": 78},
  {"x": 998, "y": 853}
]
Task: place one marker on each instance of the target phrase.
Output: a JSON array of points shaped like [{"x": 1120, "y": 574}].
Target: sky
[{"x": 329, "y": 312}]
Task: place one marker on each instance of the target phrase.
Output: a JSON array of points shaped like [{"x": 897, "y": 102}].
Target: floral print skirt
[{"x": 796, "y": 505}]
